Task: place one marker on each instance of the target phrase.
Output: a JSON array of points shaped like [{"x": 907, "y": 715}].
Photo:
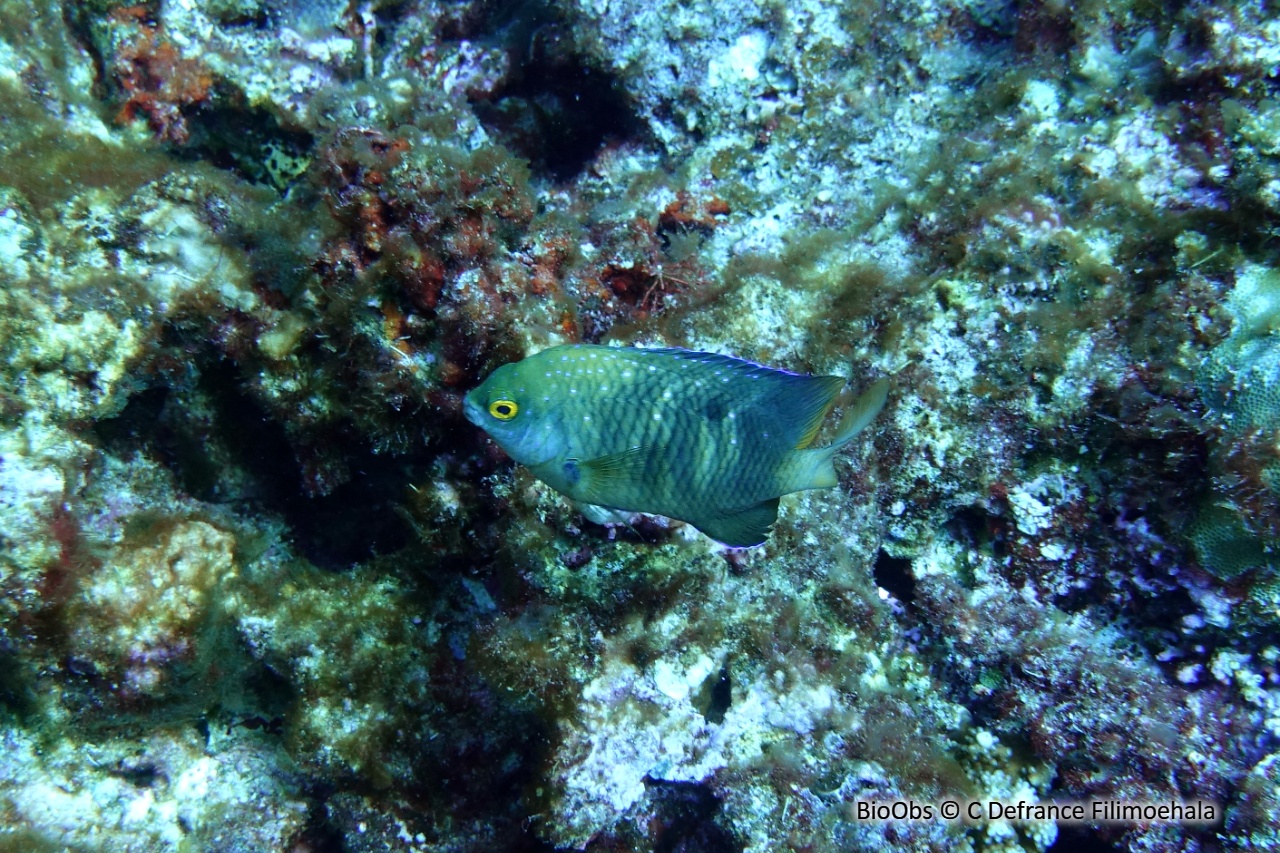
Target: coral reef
[{"x": 262, "y": 586}]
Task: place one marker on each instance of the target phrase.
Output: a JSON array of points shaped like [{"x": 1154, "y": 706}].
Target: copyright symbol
[{"x": 949, "y": 809}]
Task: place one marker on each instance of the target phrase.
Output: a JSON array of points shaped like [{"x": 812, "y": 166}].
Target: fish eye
[{"x": 503, "y": 410}]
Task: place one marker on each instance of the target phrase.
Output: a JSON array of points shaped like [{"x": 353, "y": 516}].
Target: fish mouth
[{"x": 472, "y": 411}]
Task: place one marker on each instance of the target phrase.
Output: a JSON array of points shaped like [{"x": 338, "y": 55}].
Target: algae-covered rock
[
  {"x": 1236, "y": 530},
  {"x": 142, "y": 610}
]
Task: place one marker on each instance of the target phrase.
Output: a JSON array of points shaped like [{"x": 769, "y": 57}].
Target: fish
[{"x": 708, "y": 439}]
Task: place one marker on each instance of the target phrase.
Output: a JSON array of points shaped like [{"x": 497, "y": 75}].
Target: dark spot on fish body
[
  {"x": 571, "y": 471},
  {"x": 714, "y": 409}
]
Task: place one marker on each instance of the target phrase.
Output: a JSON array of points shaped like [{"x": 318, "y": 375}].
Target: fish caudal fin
[
  {"x": 861, "y": 413},
  {"x": 821, "y": 472},
  {"x": 744, "y": 528}
]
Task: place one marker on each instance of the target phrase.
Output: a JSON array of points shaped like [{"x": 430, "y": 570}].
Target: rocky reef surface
[{"x": 263, "y": 588}]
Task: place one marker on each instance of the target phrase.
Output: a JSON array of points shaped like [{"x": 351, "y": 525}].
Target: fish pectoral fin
[
  {"x": 601, "y": 477},
  {"x": 744, "y": 528}
]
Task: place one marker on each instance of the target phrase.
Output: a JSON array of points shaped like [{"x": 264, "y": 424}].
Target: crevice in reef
[
  {"x": 554, "y": 107},
  {"x": 894, "y": 574},
  {"x": 1080, "y": 839},
  {"x": 223, "y": 447},
  {"x": 716, "y": 697},
  {"x": 247, "y": 142},
  {"x": 685, "y": 815}
]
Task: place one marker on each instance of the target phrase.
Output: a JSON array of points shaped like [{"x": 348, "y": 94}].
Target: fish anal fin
[{"x": 744, "y": 528}]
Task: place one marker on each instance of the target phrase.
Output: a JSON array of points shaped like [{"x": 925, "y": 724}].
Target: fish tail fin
[
  {"x": 861, "y": 414},
  {"x": 818, "y": 467}
]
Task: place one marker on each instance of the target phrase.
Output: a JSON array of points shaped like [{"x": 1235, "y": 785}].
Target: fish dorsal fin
[
  {"x": 741, "y": 529},
  {"x": 602, "y": 476},
  {"x": 814, "y": 401},
  {"x": 732, "y": 365},
  {"x": 796, "y": 402}
]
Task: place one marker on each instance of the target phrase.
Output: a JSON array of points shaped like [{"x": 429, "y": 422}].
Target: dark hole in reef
[
  {"x": 553, "y": 108},
  {"x": 261, "y": 694},
  {"x": 138, "y": 773},
  {"x": 718, "y": 698},
  {"x": 994, "y": 20},
  {"x": 640, "y": 653},
  {"x": 136, "y": 424},
  {"x": 478, "y": 756},
  {"x": 680, "y": 240},
  {"x": 248, "y": 142},
  {"x": 223, "y": 447},
  {"x": 894, "y": 574},
  {"x": 319, "y": 834},
  {"x": 970, "y": 525},
  {"x": 977, "y": 528},
  {"x": 201, "y": 725},
  {"x": 16, "y": 694},
  {"x": 247, "y": 17},
  {"x": 1081, "y": 839},
  {"x": 685, "y": 819}
]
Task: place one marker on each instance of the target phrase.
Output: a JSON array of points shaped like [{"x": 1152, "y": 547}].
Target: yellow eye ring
[{"x": 503, "y": 410}]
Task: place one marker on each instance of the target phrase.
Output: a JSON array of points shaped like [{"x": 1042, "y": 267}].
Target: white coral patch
[
  {"x": 1030, "y": 513},
  {"x": 29, "y": 495},
  {"x": 1033, "y": 503},
  {"x": 741, "y": 61},
  {"x": 14, "y": 236}
]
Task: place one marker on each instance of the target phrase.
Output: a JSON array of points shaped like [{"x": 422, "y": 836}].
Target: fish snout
[{"x": 471, "y": 409}]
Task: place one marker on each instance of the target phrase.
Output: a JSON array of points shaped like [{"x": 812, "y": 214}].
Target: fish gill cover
[{"x": 264, "y": 587}]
